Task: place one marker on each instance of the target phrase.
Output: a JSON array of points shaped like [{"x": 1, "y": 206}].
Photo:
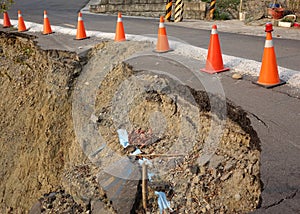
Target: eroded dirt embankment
[
  {"x": 40, "y": 153},
  {"x": 36, "y": 132}
]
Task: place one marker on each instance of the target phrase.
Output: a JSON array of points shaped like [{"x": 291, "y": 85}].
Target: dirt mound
[{"x": 139, "y": 101}]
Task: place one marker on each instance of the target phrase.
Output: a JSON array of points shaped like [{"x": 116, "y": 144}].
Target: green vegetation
[
  {"x": 5, "y": 5},
  {"x": 289, "y": 18},
  {"x": 226, "y": 9},
  {"x": 219, "y": 15},
  {"x": 226, "y": 4}
]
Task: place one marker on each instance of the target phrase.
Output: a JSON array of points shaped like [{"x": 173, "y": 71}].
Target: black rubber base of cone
[
  {"x": 47, "y": 33},
  {"x": 82, "y": 38},
  {"x": 124, "y": 40},
  {"x": 23, "y": 30},
  {"x": 155, "y": 51},
  {"x": 270, "y": 86},
  {"x": 215, "y": 71}
]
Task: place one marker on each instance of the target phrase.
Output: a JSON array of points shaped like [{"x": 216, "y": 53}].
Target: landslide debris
[
  {"x": 46, "y": 170},
  {"x": 139, "y": 101}
]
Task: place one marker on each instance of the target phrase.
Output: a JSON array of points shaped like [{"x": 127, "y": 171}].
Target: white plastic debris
[
  {"x": 136, "y": 152},
  {"x": 146, "y": 161},
  {"x": 123, "y": 137},
  {"x": 150, "y": 175},
  {"x": 163, "y": 203}
]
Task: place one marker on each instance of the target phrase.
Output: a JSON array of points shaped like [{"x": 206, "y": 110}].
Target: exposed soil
[
  {"x": 45, "y": 169},
  {"x": 228, "y": 183},
  {"x": 36, "y": 133}
]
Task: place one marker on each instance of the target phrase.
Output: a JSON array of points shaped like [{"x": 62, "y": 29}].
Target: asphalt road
[{"x": 64, "y": 13}]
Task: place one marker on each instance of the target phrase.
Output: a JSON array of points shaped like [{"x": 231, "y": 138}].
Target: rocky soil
[
  {"x": 44, "y": 169},
  {"x": 228, "y": 183},
  {"x": 36, "y": 131}
]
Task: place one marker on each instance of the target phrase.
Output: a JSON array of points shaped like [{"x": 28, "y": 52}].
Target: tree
[{"x": 5, "y": 5}]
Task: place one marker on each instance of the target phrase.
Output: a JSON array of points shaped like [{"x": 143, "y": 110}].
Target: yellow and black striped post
[
  {"x": 178, "y": 17},
  {"x": 212, "y": 8},
  {"x": 168, "y": 10}
]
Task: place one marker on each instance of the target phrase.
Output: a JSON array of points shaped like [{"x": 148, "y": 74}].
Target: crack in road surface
[
  {"x": 291, "y": 196},
  {"x": 260, "y": 120}
]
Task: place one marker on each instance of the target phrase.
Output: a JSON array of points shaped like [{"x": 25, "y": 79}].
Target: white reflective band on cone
[
  {"x": 79, "y": 18},
  {"x": 269, "y": 44},
  {"x": 119, "y": 19},
  {"x": 19, "y": 15},
  {"x": 161, "y": 25},
  {"x": 214, "y": 31},
  {"x": 45, "y": 16}
]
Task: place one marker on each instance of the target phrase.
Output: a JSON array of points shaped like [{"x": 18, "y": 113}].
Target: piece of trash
[
  {"x": 144, "y": 186},
  {"x": 159, "y": 155},
  {"x": 142, "y": 138},
  {"x": 162, "y": 201},
  {"x": 136, "y": 152},
  {"x": 123, "y": 137},
  {"x": 150, "y": 175},
  {"x": 146, "y": 161}
]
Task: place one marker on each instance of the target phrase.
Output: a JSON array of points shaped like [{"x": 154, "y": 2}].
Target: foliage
[
  {"x": 228, "y": 4},
  {"x": 5, "y": 5},
  {"x": 226, "y": 9},
  {"x": 288, "y": 19},
  {"x": 219, "y": 15}
]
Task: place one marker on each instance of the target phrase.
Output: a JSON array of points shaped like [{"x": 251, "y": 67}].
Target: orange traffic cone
[
  {"x": 214, "y": 61},
  {"x": 268, "y": 76},
  {"x": 162, "y": 39},
  {"x": 21, "y": 23},
  {"x": 47, "y": 27},
  {"x": 81, "y": 34},
  {"x": 120, "y": 33},
  {"x": 6, "y": 20}
]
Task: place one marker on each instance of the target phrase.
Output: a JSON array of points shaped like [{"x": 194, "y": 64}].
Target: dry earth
[{"x": 44, "y": 167}]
